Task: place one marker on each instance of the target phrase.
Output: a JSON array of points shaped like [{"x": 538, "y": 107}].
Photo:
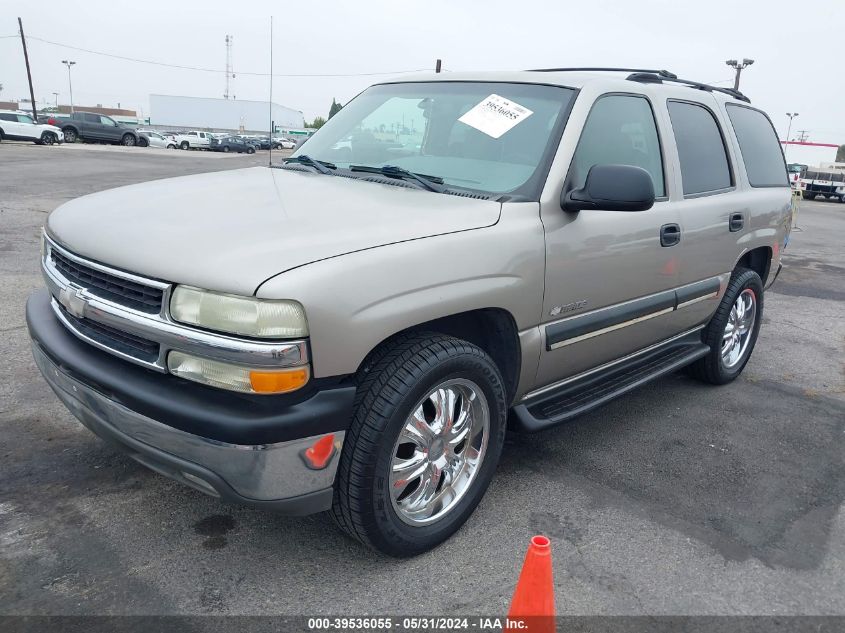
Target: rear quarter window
[
  {"x": 759, "y": 146},
  {"x": 701, "y": 148}
]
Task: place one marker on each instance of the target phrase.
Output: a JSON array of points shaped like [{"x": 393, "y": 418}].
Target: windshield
[{"x": 490, "y": 137}]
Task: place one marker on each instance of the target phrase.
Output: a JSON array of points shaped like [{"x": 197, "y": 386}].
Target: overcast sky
[{"x": 797, "y": 56}]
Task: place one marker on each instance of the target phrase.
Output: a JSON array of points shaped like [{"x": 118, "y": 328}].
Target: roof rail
[
  {"x": 662, "y": 73},
  {"x": 649, "y": 76},
  {"x": 652, "y": 78}
]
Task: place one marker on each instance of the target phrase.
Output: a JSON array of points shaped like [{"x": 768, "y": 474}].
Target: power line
[{"x": 216, "y": 70}]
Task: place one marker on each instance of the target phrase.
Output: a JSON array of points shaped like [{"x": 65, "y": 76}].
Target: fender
[{"x": 354, "y": 302}]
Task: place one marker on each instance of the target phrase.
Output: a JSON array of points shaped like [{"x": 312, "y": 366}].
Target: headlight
[{"x": 238, "y": 315}]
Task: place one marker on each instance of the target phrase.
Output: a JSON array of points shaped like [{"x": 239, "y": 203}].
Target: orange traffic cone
[{"x": 533, "y": 601}]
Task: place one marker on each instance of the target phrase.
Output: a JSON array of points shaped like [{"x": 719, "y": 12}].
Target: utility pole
[
  {"x": 69, "y": 82},
  {"x": 230, "y": 40},
  {"x": 28, "y": 73},
  {"x": 56, "y": 94},
  {"x": 438, "y": 65},
  {"x": 739, "y": 66}
]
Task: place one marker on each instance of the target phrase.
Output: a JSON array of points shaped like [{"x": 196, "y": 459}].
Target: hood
[{"x": 232, "y": 230}]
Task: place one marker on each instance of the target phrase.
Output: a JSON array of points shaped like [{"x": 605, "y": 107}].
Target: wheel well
[
  {"x": 759, "y": 260},
  {"x": 492, "y": 329}
]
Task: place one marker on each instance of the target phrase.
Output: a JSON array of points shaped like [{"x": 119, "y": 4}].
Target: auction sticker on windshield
[{"x": 495, "y": 115}]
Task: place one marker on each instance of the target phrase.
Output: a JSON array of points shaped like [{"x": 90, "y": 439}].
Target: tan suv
[{"x": 351, "y": 330}]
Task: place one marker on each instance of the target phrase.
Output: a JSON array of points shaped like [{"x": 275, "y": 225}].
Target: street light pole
[
  {"x": 69, "y": 82},
  {"x": 56, "y": 94},
  {"x": 791, "y": 116},
  {"x": 739, "y": 66}
]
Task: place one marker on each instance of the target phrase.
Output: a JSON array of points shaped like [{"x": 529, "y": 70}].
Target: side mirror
[{"x": 612, "y": 188}]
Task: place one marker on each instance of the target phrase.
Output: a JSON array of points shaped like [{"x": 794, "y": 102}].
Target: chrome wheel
[
  {"x": 738, "y": 329},
  {"x": 439, "y": 451}
]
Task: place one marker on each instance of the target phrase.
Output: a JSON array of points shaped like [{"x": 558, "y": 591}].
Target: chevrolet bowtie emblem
[{"x": 73, "y": 301}]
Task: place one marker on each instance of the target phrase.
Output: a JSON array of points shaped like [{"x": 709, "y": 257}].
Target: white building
[{"x": 169, "y": 111}]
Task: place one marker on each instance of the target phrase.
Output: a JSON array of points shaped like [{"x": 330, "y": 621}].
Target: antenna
[
  {"x": 230, "y": 40},
  {"x": 270, "y": 104}
]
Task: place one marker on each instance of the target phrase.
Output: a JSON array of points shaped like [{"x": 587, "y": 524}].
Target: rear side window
[
  {"x": 701, "y": 148},
  {"x": 7, "y": 117},
  {"x": 759, "y": 146},
  {"x": 619, "y": 130}
]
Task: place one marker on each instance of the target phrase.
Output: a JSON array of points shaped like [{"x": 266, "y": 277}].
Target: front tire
[
  {"x": 70, "y": 135},
  {"x": 732, "y": 332},
  {"x": 184, "y": 145},
  {"x": 425, "y": 438},
  {"x": 47, "y": 139},
  {"x": 128, "y": 140}
]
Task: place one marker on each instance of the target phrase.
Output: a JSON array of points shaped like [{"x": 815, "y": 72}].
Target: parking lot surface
[{"x": 677, "y": 499}]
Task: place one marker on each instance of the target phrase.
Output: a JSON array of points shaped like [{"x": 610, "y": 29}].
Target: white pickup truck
[{"x": 193, "y": 140}]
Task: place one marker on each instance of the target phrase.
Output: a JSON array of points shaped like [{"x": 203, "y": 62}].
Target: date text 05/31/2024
[{"x": 436, "y": 623}]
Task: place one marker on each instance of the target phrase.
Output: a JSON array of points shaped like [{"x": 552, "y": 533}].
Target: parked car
[
  {"x": 231, "y": 144},
  {"x": 285, "y": 143},
  {"x": 90, "y": 126},
  {"x": 194, "y": 139},
  {"x": 251, "y": 140},
  {"x": 19, "y": 126},
  {"x": 151, "y": 138},
  {"x": 354, "y": 335}
]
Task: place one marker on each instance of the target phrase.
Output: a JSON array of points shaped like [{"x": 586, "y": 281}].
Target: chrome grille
[
  {"x": 123, "y": 342},
  {"x": 110, "y": 287}
]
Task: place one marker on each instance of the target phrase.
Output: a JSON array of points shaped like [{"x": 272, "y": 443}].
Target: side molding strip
[{"x": 583, "y": 327}]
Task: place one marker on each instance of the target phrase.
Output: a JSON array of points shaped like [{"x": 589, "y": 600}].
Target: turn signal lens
[
  {"x": 234, "y": 377},
  {"x": 278, "y": 381}
]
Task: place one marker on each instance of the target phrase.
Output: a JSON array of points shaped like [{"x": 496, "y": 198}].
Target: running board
[{"x": 579, "y": 396}]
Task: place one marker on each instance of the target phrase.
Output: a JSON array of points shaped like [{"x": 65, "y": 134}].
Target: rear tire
[
  {"x": 251, "y": 150},
  {"x": 730, "y": 334},
  {"x": 405, "y": 497},
  {"x": 128, "y": 140}
]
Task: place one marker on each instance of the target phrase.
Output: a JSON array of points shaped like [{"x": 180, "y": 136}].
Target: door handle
[
  {"x": 736, "y": 222},
  {"x": 670, "y": 234}
]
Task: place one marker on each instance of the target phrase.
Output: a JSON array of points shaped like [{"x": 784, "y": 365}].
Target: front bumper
[{"x": 112, "y": 399}]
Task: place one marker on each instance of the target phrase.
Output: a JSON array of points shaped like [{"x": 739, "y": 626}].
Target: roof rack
[
  {"x": 650, "y": 76},
  {"x": 655, "y": 78},
  {"x": 662, "y": 73}
]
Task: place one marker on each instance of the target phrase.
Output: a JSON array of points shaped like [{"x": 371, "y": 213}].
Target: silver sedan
[{"x": 154, "y": 139}]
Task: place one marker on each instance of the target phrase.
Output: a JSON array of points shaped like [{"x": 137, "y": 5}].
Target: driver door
[{"x": 610, "y": 275}]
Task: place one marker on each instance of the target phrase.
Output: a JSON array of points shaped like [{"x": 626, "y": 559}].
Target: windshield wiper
[
  {"x": 321, "y": 166},
  {"x": 432, "y": 183}
]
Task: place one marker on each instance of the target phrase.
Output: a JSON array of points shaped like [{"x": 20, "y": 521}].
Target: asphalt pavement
[{"x": 679, "y": 498}]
